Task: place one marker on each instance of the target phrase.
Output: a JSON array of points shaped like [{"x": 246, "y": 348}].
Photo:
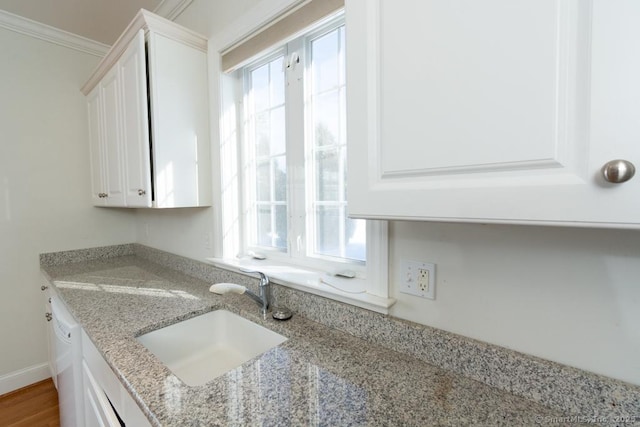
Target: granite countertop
[{"x": 319, "y": 376}]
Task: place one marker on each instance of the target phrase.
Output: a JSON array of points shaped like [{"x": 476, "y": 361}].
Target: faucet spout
[{"x": 264, "y": 288}]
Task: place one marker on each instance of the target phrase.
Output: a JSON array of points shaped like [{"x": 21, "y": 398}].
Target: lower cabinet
[
  {"x": 97, "y": 407},
  {"x": 106, "y": 402},
  {"x": 90, "y": 394}
]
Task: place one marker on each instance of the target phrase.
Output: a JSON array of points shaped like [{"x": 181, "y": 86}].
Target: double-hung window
[
  {"x": 294, "y": 151},
  {"x": 291, "y": 133}
]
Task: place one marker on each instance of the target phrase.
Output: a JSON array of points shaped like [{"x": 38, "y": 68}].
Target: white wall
[
  {"x": 187, "y": 232},
  {"x": 567, "y": 295},
  {"x": 45, "y": 200}
]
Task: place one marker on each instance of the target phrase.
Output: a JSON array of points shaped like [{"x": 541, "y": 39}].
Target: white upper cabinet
[
  {"x": 149, "y": 118},
  {"x": 98, "y": 182},
  {"x": 135, "y": 123},
  {"x": 107, "y": 184},
  {"x": 497, "y": 111}
]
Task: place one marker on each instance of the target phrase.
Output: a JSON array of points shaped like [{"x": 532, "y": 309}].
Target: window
[
  {"x": 295, "y": 187},
  {"x": 289, "y": 122}
]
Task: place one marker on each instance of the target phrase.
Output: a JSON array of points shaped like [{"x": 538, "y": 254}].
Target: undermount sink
[{"x": 202, "y": 348}]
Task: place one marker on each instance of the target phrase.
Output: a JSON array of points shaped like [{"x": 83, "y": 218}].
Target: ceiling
[{"x": 99, "y": 20}]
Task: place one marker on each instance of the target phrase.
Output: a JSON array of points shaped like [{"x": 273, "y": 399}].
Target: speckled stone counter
[{"x": 319, "y": 376}]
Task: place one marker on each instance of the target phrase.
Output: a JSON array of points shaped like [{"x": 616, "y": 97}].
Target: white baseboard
[{"x": 24, "y": 377}]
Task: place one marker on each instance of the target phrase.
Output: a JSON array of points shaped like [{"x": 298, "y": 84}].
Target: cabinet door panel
[
  {"x": 493, "y": 111},
  {"x": 135, "y": 121},
  {"x": 98, "y": 411},
  {"x": 98, "y": 186},
  {"x": 110, "y": 93},
  {"x": 462, "y": 86},
  {"x": 179, "y": 115}
]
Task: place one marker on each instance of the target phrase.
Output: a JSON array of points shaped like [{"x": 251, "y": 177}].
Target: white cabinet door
[
  {"x": 97, "y": 409},
  {"x": 180, "y": 123},
  {"x": 493, "y": 111},
  {"x": 106, "y": 400},
  {"x": 135, "y": 120},
  {"x": 112, "y": 138},
  {"x": 98, "y": 186}
]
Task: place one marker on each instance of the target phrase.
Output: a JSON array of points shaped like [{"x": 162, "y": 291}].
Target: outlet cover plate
[{"x": 418, "y": 278}]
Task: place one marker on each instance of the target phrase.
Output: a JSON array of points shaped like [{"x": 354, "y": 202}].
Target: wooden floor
[{"x": 32, "y": 406}]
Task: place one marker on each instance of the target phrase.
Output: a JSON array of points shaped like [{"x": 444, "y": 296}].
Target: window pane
[
  {"x": 267, "y": 152},
  {"x": 263, "y": 235},
  {"x": 260, "y": 88},
  {"x": 328, "y": 182},
  {"x": 261, "y": 134},
  {"x": 339, "y": 236},
  {"x": 328, "y": 236},
  {"x": 325, "y": 59},
  {"x": 326, "y": 118},
  {"x": 277, "y": 131},
  {"x": 271, "y": 221},
  {"x": 263, "y": 182},
  {"x": 277, "y": 82},
  {"x": 280, "y": 237},
  {"x": 280, "y": 178}
]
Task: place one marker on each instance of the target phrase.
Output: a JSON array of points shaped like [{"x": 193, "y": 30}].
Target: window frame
[
  {"x": 247, "y": 189},
  {"x": 305, "y": 273},
  {"x": 300, "y": 233}
]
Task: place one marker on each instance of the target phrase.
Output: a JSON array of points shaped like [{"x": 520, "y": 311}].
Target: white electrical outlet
[
  {"x": 423, "y": 279},
  {"x": 418, "y": 278}
]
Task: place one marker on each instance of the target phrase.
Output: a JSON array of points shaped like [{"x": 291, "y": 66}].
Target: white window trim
[{"x": 373, "y": 288}]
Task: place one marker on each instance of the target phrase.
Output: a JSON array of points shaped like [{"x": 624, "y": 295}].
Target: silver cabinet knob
[
  {"x": 618, "y": 171},
  {"x": 141, "y": 192},
  {"x": 48, "y": 316},
  {"x": 43, "y": 287}
]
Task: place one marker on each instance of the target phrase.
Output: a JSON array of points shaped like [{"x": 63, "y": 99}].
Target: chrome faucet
[
  {"x": 264, "y": 290},
  {"x": 263, "y": 299}
]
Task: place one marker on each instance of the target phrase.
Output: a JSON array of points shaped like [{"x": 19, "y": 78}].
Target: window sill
[{"x": 349, "y": 291}]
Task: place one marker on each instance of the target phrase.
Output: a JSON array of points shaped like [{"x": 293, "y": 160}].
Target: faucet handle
[{"x": 264, "y": 279}]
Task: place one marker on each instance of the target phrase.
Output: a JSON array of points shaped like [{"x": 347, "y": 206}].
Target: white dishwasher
[{"x": 68, "y": 354}]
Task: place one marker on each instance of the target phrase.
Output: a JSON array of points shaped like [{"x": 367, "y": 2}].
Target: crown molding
[
  {"x": 51, "y": 34},
  {"x": 171, "y": 9},
  {"x": 149, "y": 22}
]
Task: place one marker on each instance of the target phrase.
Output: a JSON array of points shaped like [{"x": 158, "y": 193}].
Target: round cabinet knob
[
  {"x": 618, "y": 171},
  {"x": 48, "y": 316},
  {"x": 43, "y": 287},
  {"x": 141, "y": 192}
]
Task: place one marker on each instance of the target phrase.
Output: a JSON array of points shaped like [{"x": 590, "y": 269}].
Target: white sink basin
[{"x": 202, "y": 348}]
